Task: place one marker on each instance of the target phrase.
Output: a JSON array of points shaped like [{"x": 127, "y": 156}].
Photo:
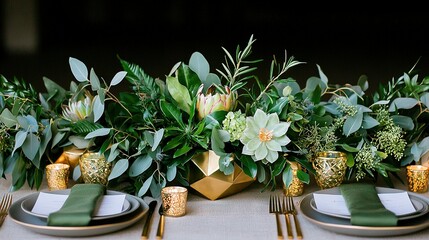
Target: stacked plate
[
  {"x": 340, "y": 223},
  {"x": 133, "y": 210}
]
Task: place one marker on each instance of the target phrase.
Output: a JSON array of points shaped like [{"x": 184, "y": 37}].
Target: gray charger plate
[
  {"x": 28, "y": 204},
  {"x": 421, "y": 207},
  {"x": 343, "y": 226},
  {"x": 97, "y": 227}
]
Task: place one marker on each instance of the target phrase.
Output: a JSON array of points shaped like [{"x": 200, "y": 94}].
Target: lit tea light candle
[{"x": 418, "y": 178}]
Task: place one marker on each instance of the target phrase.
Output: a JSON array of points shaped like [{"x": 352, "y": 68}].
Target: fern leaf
[{"x": 84, "y": 127}]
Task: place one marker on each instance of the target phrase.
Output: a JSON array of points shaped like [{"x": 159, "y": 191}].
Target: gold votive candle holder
[
  {"x": 330, "y": 168},
  {"x": 94, "y": 168},
  {"x": 57, "y": 176},
  {"x": 174, "y": 200},
  {"x": 418, "y": 178}
]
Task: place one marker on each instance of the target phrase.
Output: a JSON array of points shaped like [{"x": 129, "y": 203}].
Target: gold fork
[
  {"x": 286, "y": 212},
  {"x": 292, "y": 210},
  {"x": 275, "y": 207},
  {"x": 5, "y": 203}
]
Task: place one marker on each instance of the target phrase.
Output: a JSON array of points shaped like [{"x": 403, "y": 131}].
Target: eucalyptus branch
[
  {"x": 341, "y": 90},
  {"x": 114, "y": 98},
  {"x": 125, "y": 133},
  {"x": 422, "y": 110}
]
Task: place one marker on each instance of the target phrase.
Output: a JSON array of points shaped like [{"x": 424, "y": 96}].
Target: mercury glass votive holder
[
  {"x": 330, "y": 168},
  {"x": 57, "y": 176},
  {"x": 94, "y": 168},
  {"x": 174, "y": 200},
  {"x": 418, "y": 178}
]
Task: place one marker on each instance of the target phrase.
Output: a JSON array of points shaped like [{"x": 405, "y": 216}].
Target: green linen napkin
[
  {"x": 79, "y": 206},
  {"x": 365, "y": 206}
]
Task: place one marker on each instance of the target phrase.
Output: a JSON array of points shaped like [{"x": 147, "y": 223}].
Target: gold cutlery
[
  {"x": 5, "y": 203},
  {"x": 290, "y": 206},
  {"x": 288, "y": 223},
  {"x": 161, "y": 223},
  {"x": 275, "y": 207},
  {"x": 145, "y": 232}
]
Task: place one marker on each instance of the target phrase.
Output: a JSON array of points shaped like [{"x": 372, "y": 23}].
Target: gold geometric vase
[{"x": 209, "y": 181}]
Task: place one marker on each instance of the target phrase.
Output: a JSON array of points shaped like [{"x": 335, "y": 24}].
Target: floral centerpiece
[{"x": 151, "y": 132}]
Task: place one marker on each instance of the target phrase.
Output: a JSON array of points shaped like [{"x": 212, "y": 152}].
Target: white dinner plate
[
  {"x": 421, "y": 207},
  {"x": 28, "y": 204},
  {"x": 343, "y": 226},
  {"x": 96, "y": 227}
]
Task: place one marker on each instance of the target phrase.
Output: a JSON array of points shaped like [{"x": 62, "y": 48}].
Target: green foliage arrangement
[{"x": 151, "y": 132}]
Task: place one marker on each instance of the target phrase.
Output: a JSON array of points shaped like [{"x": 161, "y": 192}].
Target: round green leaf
[
  {"x": 145, "y": 186},
  {"x": 19, "y": 140},
  {"x": 76, "y": 173},
  {"x": 199, "y": 65},
  {"x": 97, "y": 133},
  {"x": 31, "y": 145},
  {"x": 157, "y": 138},
  {"x": 141, "y": 164},
  {"x": 403, "y": 103},
  {"x": 171, "y": 173},
  {"x": 8, "y": 118},
  {"x": 98, "y": 108},
  {"x": 352, "y": 124},
  {"x": 118, "y": 78},
  {"x": 120, "y": 167},
  {"x": 404, "y": 122},
  {"x": 79, "y": 70},
  {"x": 287, "y": 176},
  {"x": 93, "y": 79}
]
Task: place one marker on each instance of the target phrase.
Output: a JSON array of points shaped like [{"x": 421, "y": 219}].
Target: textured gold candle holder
[
  {"x": 174, "y": 201},
  {"x": 330, "y": 168},
  {"x": 94, "y": 168},
  {"x": 57, "y": 176},
  {"x": 296, "y": 188},
  {"x": 418, "y": 177}
]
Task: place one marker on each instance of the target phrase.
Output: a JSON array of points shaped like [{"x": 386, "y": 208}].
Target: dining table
[{"x": 243, "y": 215}]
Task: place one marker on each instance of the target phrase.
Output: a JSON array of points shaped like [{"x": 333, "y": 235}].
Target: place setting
[
  {"x": 86, "y": 209},
  {"x": 362, "y": 209}
]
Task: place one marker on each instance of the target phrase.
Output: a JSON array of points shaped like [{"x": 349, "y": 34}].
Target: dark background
[{"x": 345, "y": 42}]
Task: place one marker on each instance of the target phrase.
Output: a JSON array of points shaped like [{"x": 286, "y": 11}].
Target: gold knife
[
  {"x": 161, "y": 223},
  {"x": 145, "y": 232}
]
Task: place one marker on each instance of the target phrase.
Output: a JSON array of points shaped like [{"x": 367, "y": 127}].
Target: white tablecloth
[{"x": 240, "y": 216}]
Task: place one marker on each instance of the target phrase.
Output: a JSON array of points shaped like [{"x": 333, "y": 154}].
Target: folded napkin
[
  {"x": 79, "y": 206},
  {"x": 365, "y": 206}
]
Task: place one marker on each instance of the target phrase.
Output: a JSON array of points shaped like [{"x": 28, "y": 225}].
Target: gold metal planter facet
[{"x": 209, "y": 181}]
